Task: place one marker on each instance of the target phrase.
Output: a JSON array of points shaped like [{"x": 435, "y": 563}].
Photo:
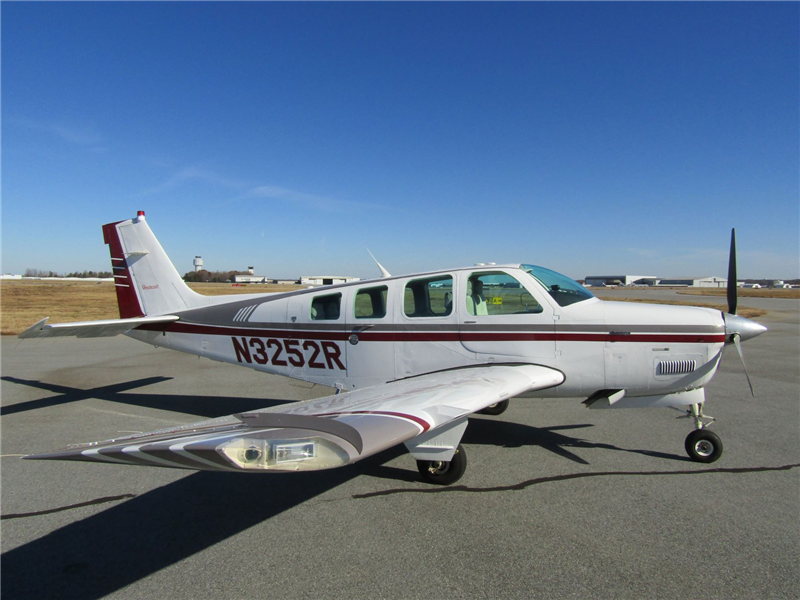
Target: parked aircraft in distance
[{"x": 414, "y": 356}]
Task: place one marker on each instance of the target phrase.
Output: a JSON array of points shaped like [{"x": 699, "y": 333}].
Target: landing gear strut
[
  {"x": 701, "y": 444},
  {"x": 444, "y": 472}
]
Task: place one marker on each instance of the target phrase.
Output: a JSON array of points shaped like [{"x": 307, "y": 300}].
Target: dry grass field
[{"x": 23, "y": 303}]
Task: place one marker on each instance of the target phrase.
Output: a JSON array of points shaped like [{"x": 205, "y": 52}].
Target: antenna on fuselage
[{"x": 384, "y": 272}]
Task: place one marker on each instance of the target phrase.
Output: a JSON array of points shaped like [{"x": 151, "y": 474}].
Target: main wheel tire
[
  {"x": 495, "y": 409},
  {"x": 443, "y": 472},
  {"x": 703, "y": 446}
]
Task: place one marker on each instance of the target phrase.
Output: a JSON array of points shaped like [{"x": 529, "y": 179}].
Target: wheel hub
[
  {"x": 437, "y": 467},
  {"x": 704, "y": 448}
]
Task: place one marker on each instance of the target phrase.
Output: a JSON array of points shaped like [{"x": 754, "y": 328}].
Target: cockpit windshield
[{"x": 564, "y": 290}]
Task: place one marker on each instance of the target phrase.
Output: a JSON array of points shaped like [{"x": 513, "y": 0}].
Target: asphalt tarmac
[{"x": 558, "y": 501}]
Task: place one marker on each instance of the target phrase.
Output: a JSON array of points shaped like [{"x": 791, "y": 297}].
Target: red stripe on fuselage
[{"x": 436, "y": 336}]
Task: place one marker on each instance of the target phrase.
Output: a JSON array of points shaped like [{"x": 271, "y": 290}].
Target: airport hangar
[
  {"x": 310, "y": 281},
  {"x": 626, "y": 280}
]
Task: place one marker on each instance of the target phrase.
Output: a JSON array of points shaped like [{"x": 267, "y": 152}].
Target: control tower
[{"x": 198, "y": 263}]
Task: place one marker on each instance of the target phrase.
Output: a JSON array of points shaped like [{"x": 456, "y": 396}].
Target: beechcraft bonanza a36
[{"x": 413, "y": 357}]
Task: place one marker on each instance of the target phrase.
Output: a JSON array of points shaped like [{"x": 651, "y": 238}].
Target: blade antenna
[
  {"x": 384, "y": 272},
  {"x": 732, "y": 287}
]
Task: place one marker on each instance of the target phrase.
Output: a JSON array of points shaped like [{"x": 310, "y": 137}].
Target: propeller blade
[
  {"x": 738, "y": 345},
  {"x": 732, "y": 287}
]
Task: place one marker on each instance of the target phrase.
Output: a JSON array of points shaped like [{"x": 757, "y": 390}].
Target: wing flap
[
  {"x": 89, "y": 329},
  {"x": 323, "y": 433}
]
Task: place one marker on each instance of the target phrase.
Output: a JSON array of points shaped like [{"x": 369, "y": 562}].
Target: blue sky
[{"x": 588, "y": 138}]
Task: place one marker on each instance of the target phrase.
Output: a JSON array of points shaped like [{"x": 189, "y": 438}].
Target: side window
[
  {"x": 371, "y": 303},
  {"x": 432, "y": 297},
  {"x": 498, "y": 293},
  {"x": 326, "y": 308}
]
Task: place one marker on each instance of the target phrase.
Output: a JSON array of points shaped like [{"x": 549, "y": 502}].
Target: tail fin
[{"x": 145, "y": 279}]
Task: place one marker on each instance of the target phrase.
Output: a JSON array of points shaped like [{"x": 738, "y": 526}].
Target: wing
[
  {"x": 326, "y": 432},
  {"x": 87, "y": 329}
]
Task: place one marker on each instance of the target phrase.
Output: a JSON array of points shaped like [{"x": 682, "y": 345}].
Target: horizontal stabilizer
[{"x": 88, "y": 329}]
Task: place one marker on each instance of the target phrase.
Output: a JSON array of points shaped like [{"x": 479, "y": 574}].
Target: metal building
[
  {"x": 706, "y": 282},
  {"x": 315, "y": 280},
  {"x": 606, "y": 280}
]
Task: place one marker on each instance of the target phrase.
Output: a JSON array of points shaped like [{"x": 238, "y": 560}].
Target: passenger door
[{"x": 503, "y": 319}]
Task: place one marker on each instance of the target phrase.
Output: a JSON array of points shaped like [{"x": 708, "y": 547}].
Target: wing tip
[{"x": 34, "y": 329}]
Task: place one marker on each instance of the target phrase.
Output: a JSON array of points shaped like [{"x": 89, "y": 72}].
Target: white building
[
  {"x": 703, "y": 282},
  {"x": 250, "y": 279},
  {"x": 315, "y": 280},
  {"x": 604, "y": 280},
  {"x": 624, "y": 280}
]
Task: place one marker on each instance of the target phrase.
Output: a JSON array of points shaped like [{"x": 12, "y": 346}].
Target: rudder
[{"x": 145, "y": 280}]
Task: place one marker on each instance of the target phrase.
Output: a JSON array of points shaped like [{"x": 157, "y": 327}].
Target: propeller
[
  {"x": 733, "y": 289},
  {"x": 736, "y": 342},
  {"x": 738, "y": 328}
]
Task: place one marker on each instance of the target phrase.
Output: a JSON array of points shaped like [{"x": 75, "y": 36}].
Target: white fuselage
[{"x": 367, "y": 333}]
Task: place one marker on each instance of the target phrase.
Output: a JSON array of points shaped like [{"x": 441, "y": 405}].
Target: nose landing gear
[{"x": 701, "y": 444}]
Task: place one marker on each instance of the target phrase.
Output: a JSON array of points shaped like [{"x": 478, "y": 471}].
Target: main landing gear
[
  {"x": 444, "y": 472},
  {"x": 498, "y": 408},
  {"x": 447, "y": 472},
  {"x": 701, "y": 444}
]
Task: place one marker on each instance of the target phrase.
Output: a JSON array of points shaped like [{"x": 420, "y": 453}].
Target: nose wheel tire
[
  {"x": 703, "y": 446},
  {"x": 498, "y": 408},
  {"x": 443, "y": 472}
]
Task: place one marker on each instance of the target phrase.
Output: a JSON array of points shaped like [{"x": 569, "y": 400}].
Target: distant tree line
[
  {"x": 203, "y": 276},
  {"x": 42, "y": 273}
]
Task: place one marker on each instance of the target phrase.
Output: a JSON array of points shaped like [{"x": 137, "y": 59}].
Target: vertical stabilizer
[{"x": 146, "y": 281}]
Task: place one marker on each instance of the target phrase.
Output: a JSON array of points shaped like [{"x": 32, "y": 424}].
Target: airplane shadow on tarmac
[
  {"x": 130, "y": 541},
  {"x": 516, "y": 435},
  {"x": 202, "y": 406},
  {"x": 507, "y": 434}
]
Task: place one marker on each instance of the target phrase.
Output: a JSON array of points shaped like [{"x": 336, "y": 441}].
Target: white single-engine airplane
[{"x": 414, "y": 357}]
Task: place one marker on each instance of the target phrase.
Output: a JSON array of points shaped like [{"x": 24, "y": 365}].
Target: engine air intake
[{"x": 676, "y": 367}]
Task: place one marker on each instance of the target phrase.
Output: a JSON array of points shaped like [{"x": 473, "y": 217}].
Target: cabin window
[
  {"x": 498, "y": 293},
  {"x": 430, "y": 297},
  {"x": 326, "y": 308},
  {"x": 371, "y": 303}
]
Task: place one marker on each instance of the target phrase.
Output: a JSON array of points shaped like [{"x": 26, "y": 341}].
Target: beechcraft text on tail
[{"x": 413, "y": 357}]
